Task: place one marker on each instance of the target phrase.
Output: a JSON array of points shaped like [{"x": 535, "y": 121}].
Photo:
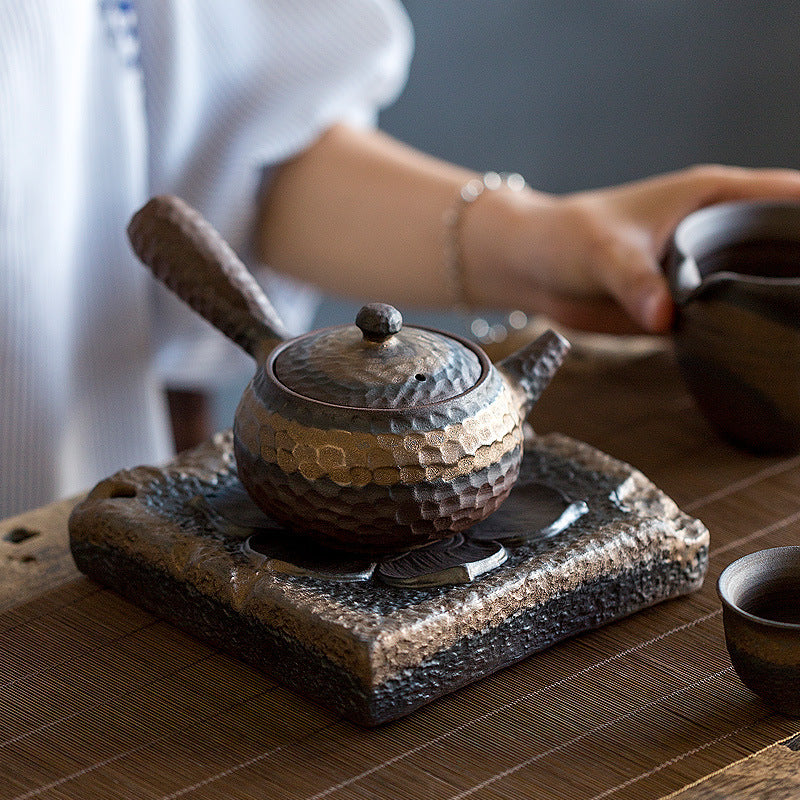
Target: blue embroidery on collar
[{"x": 122, "y": 29}]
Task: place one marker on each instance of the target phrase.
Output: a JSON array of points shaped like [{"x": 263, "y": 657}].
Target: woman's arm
[{"x": 360, "y": 214}]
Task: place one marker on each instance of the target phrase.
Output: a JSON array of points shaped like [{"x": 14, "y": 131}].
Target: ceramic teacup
[
  {"x": 760, "y": 595},
  {"x": 734, "y": 272}
]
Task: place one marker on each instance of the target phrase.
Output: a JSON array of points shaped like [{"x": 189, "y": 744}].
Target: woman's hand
[{"x": 584, "y": 259}]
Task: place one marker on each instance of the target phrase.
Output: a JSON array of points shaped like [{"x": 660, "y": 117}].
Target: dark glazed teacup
[
  {"x": 760, "y": 596},
  {"x": 734, "y": 272}
]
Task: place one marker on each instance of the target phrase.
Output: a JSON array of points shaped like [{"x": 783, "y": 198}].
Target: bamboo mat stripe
[
  {"x": 668, "y": 763},
  {"x": 220, "y": 775},
  {"x": 538, "y": 756},
  {"x": 436, "y": 740},
  {"x": 94, "y": 707},
  {"x": 21, "y": 678},
  {"x": 746, "y": 777},
  {"x": 50, "y": 603},
  {"x": 597, "y": 729},
  {"x": 507, "y": 706},
  {"x": 779, "y": 525},
  {"x": 778, "y": 468}
]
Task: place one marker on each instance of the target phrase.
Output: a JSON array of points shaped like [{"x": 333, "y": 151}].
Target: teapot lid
[{"x": 377, "y": 363}]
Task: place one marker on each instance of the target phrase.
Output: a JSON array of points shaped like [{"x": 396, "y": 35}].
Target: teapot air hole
[{"x": 419, "y": 376}]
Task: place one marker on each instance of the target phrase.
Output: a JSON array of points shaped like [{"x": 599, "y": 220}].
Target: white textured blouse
[{"x": 104, "y": 103}]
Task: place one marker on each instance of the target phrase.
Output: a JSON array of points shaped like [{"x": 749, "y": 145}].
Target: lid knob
[{"x": 379, "y": 321}]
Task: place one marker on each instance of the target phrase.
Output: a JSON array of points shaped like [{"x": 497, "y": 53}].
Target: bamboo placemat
[
  {"x": 772, "y": 773},
  {"x": 102, "y": 700}
]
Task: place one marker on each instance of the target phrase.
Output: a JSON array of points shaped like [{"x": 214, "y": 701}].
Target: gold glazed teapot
[{"x": 374, "y": 438}]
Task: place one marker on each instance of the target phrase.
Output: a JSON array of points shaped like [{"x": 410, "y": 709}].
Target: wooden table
[{"x": 102, "y": 700}]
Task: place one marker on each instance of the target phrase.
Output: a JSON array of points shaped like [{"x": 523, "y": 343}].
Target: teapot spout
[{"x": 530, "y": 369}]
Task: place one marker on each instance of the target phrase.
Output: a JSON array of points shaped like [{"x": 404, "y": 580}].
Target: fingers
[
  {"x": 633, "y": 278},
  {"x": 618, "y": 258},
  {"x": 631, "y": 226},
  {"x": 666, "y": 199},
  {"x": 712, "y": 183},
  {"x": 598, "y": 316}
]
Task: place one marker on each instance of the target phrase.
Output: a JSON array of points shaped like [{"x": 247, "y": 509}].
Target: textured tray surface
[{"x": 370, "y": 650}]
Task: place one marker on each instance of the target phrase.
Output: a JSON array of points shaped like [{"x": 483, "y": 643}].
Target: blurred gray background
[
  {"x": 576, "y": 95},
  {"x": 582, "y": 94}
]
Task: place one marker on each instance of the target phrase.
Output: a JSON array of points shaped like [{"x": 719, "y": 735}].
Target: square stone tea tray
[{"x": 375, "y": 641}]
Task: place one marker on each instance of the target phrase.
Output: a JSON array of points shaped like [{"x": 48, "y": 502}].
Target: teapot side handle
[{"x": 191, "y": 258}]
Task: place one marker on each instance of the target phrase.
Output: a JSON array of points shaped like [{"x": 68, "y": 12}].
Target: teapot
[{"x": 376, "y": 437}]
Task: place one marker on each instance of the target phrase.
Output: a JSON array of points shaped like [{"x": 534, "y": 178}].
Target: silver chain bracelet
[{"x": 453, "y": 221}]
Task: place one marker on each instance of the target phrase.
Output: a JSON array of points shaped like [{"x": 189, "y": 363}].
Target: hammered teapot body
[{"x": 374, "y": 437}]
